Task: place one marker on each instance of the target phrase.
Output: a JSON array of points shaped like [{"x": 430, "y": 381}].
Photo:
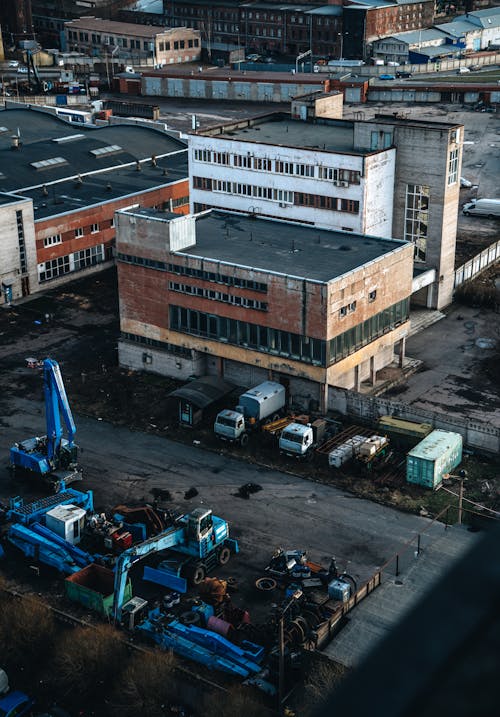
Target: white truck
[
  {"x": 298, "y": 440},
  {"x": 264, "y": 402},
  {"x": 489, "y": 208}
]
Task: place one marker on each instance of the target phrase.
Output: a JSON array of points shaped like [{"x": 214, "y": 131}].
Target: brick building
[
  {"x": 368, "y": 20},
  {"x": 16, "y": 21},
  {"x": 160, "y": 44},
  {"x": 65, "y": 185},
  {"x": 251, "y": 298},
  {"x": 385, "y": 176}
]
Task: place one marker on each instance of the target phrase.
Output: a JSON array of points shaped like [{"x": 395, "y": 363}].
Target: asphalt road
[{"x": 123, "y": 466}]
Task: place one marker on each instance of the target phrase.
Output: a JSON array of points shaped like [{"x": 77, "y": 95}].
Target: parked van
[{"x": 482, "y": 208}]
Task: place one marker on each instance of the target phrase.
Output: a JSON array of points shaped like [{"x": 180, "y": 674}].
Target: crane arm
[
  {"x": 56, "y": 402},
  {"x": 168, "y": 539}
]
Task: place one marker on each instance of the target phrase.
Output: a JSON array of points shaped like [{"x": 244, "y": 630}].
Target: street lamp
[
  {"x": 341, "y": 35},
  {"x": 461, "y": 477},
  {"x": 281, "y": 674}
]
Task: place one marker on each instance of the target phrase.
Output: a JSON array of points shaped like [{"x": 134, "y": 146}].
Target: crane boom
[{"x": 56, "y": 402}]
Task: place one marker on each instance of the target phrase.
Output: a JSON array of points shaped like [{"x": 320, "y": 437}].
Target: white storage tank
[
  {"x": 67, "y": 521},
  {"x": 438, "y": 454}
]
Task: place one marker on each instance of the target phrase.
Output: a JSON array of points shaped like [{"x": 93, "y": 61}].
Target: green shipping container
[
  {"x": 93, "y": 587},
  {"x": 439, "y": 453}
]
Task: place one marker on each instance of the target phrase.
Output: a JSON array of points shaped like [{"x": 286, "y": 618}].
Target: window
[
  {"x": 94, "y": 228},
  {"x": 54, "y": 268},
  {"x": 372, "y": 295},
  {"x": 453, "y": 167},
  {"x": 162, "y": 345},
  {"x": 381, "y": 139},
  {"x": 241, "y": 333},
  {"x": 78, "y": 232},
  {"x": 52, "y": 240},
  {"x": 23, "y": 263},
  {"x": 417, "y": 218}
]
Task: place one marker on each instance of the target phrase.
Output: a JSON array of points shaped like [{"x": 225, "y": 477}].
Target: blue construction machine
[
  {"x": 196, "y": 543},
  {"x": 51, "y": 457}
]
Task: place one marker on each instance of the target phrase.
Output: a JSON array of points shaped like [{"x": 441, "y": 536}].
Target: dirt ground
[{"x": 82, "y": 332}]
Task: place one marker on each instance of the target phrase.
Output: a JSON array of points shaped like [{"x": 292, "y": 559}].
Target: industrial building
[
  {"x": 385, "y": 177},
  {"x": 161, "y": 45},
  {"x": 248, "y": 298},
  {"x": 61, "y": 186}
]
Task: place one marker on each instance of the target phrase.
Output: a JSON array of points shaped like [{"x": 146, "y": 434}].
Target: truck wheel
[
  {"x": 196, "y": 574},
  {"x": 276, "y": 417},
  {"x": 223, "y": 555},
  {"x": 244, "y": 440},
  {"x": 490, "y": 216},
  {"x": 467, "y": 214}
]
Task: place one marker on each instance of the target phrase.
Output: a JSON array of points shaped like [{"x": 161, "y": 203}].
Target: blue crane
[
  {"x": 52, "y": 456},
  {"x": 200, "y": 536}
]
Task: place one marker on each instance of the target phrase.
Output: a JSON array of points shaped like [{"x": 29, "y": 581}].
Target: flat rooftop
[
  {"x": 71, "y": 195},
  {"x": 284, "y": 247},
  {"x": 8, "y": 199},
  {"x": 78, "y": 149},
  {"x": 281, "y": 129}
]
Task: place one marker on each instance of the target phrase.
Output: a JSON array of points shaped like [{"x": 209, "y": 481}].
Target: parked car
[
  {"x": 465, "y": 183},
  {"x": 401, "y": 74},
  {"x": 22, "y": 70},
  {"x": 462, "y": 70},
  {"x": 13, "y": 63},
  {"x": 387, "y": 77},
  {"x": 253, "y": 58},
  {"x": 392, "y": 63}
]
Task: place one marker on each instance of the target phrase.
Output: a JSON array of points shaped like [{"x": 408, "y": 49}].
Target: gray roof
[
  {"x": 486, "y": 18},
  {"x": 283, "y": 247},
  {"x": 39, "y": 133},
  {"x": 458, "y": 28},
  {"x": 414, "y": 37},
  {"x": 440, "y": 51},
  {"x": 9, "y": 199},
  {"x": 204, "y": 391},
  {"x": 69, "y": 196}
]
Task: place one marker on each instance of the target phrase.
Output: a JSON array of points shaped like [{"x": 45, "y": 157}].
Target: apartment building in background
[
  {"x": 61, "y": 187},
  {"x": 386, "y": 177},
  {"x": 250, "y": 298}
]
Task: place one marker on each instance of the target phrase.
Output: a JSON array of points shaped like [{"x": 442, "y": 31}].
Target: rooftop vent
[
  {"x": 49, "y": 163},
  {"x": 106, "y": 151}
]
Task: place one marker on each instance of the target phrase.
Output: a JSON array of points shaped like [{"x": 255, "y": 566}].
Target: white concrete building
[
  {"x": 18, "y": 263},
  {"x": 296, "y": 171},
  {"x": 384, "y": 177}
]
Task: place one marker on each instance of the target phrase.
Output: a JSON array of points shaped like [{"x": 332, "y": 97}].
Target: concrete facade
[
  {"x": 17, "y": 248},
  {"x": 177, "y": 316},
  {"x": 176, "y": 45},
  {"x": 383, "y": 177}
]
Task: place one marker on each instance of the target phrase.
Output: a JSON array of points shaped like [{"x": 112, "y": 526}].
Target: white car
[
  {"x": 23, "y": 70},
  {"x": 13, "y": 63},
  {"x": 462, "y": 70},
  {"x": 465, "y": 182}
]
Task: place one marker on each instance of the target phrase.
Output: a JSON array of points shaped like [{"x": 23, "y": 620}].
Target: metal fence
[{"x": 477, "y": 264}]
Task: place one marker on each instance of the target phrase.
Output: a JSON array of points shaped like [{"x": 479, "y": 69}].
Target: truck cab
[
  {"x": 297, "y": 440},
  {"x": 230, "y": 426}
]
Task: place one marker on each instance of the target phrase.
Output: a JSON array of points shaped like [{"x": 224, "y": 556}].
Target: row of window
[
  {"x": 334, "y": 204},
  {"x": 251, "y": 190},
  {"x": 178, "y": 44},
  {"x": 195, "y": 273},
  {"x": 263, "y": 164},
  {"x": 417, "y": 218},
  {"x": 141, "y": 261},
  {"x": 283, "y": 196},
  {"x": 284, "y": 343},
  {"x": 218, "y": 296},
  {"x": 347, "y": 309},
  {"x": 96, "y": 39},
  {"x": 23, "y": 260},
  {"x": 76, "y": 261},
  {"x": 354, "y": 339},
  {"x": 79, "y": 232},
  {"x": 218, "y": 278},
  {"x": 162, "y": 345},
  {"x": 253, "y": 336}
]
